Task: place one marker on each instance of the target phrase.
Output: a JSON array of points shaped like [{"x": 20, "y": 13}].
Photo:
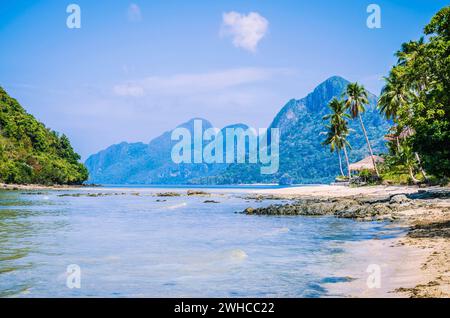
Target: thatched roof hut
[
  {"x": 406, "y": 132},
  {"x": 366, "y": 163}
]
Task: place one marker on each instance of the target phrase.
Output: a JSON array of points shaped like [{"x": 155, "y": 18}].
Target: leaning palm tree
[
  {"x": 338, "y": 131},
  {"x": 356, "y": 99},
  {"x": 337, "y": 143},
  {"x": 333, "y": 141}
]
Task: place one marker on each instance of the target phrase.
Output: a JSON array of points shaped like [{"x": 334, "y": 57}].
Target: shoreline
[{"x": 18, "y": 187}]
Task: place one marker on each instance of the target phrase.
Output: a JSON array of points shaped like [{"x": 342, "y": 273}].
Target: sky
[{"x": 135, "y": 69}]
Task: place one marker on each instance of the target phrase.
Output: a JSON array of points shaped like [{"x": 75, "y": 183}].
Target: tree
[
  {"x": 394, "y": 97},
  {"x": 394, "y": 103},
  {"x": 355, "y": 100},
  {"x": 338, "y": 131},
  {"x": 417, "y": 96}
]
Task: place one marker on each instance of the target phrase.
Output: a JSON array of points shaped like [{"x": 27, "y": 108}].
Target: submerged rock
[
  {"x": 168, "y": 194},
  {"x": 197, "y": 192},
  {"x": 249, "y": 210}
]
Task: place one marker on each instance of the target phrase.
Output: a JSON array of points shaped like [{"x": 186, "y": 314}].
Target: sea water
[{"x": 131, "y": 243}]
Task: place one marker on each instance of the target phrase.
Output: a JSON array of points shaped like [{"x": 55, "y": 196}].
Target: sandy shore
[{"x": 337, "y": 191}]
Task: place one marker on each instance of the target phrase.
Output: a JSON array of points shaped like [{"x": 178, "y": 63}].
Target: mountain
[
  {"x": 139, "y": 163},
  {"x": 32, "y": 153},
  {"x": 303, "y": 159}
]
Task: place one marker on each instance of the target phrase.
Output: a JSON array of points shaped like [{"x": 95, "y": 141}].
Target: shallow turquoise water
[{"x": 132, "y": 246}]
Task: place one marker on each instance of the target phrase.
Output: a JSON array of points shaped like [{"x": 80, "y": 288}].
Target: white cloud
[
  {"x": 189, "y": 84},
  {"x": 245, "y": 30},
  {"x": 134, "y": 13}
]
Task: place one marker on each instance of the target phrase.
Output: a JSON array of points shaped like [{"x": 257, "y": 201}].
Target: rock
[
  {"x": 399, "y": 199},
  {"x": 249, "y": 211},
  {"x": 168, "y": 194},
  {"x": 196, "y": 192},
  {"x": 380, "y": 208},
  {"x": 432, "y": 193},
  {"x": 210, "y": 201}
]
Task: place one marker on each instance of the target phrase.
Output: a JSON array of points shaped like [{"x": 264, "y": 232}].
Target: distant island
[{"x": 303, "y": 159}]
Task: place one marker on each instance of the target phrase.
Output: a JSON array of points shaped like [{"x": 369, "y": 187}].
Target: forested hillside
[{"x": 31, "y": 152}]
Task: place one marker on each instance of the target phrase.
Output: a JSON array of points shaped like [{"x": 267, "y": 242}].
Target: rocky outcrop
[{"x": 365, "y": 209}]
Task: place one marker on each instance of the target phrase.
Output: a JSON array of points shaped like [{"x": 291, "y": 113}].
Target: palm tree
[
  {"x": 393, "y": 102},
  {"x": 338, "y": 131},
  {"x": 394, "y": 96},
  {"x": 332, "y": 141},
  {"x": 356, "y": 99}
]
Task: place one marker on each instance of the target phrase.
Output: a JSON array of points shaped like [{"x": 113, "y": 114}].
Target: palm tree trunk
[
  {"x": 420, "y": 166},
  {"x": 368, "y": 144},
  {"x": 348, "y": 163},
  {"x": 340, "y": 162},
  {"x": 411, "y": 173}
]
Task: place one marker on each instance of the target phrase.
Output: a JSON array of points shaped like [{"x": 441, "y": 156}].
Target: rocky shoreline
[{"x": 378, "y": 208}]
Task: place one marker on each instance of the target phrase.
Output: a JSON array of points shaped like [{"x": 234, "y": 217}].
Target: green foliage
[
  {"x": 32, "y": 153},
  {"x": 338, "y": 130},
  {"x": 356, "y": 99},
  {"x": 365, "y": 174},
  {"x": 338, "y": 127},
  {"x": 417, "y": 98}
]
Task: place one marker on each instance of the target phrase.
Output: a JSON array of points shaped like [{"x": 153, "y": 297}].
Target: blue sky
[{"x": 137, "y": 68}]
